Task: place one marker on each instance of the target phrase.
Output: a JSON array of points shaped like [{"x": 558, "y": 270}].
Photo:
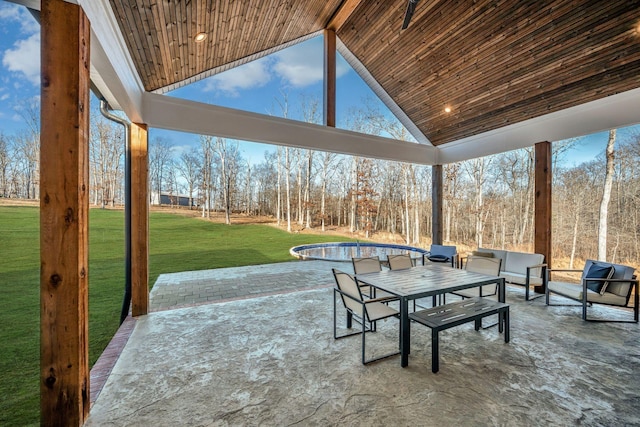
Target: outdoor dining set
[{"x": 382, "y": 289}]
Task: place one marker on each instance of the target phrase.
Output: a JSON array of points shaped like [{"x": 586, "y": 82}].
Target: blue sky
[{"x": 255, "y": 87}]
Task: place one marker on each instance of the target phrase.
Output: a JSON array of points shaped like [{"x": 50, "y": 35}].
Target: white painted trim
[
  {"x": 31, "y": 4},
  {"x": 612, "y": 112},
  {"x": 113, "y": 71},
  {"x": 381, "y": 93},
  {"x": 166, "y": 112}
]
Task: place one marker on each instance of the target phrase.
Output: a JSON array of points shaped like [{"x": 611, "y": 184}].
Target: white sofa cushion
[
  {"x": 521, "y": 279},
  {"x": 497, "y": 253},
  {"x": 517, "y": 262},
  {"x": 574, "y": 291},
  {"x": 487, "y": 290}
]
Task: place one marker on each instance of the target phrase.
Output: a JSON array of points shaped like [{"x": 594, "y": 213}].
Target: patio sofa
[
  {"x": 601, "y": 283},
  {"x": 519, "y": 268}
]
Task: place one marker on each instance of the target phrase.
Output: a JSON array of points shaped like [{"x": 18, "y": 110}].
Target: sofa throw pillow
[
  {"x": 484, "y": 254},
  {"x": 599, "y": 271}
]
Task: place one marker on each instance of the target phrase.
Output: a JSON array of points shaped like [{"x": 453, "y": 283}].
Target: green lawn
[{"x": 176, "y": 244}]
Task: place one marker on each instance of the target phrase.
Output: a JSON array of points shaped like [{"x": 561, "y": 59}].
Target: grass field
[{"x": 177, "y": 243}]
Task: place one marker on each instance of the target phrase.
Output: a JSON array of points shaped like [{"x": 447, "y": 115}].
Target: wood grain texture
[
  {"x": 437, "y": 203},
  {"x": 329, "y": 78},
  {"x": 139, "y": 220},
  {"x": 494, "y": 62},
  {"x": 543, "y": 207},
  {"x": 64, "y": 206},
  {"x": 160, "y": 34}
]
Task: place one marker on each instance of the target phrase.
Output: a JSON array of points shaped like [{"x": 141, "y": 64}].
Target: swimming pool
[{"x": 344, "y": 251}]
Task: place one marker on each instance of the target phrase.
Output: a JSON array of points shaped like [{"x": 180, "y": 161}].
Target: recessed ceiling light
[
  {"x": 200, "y": 37},
  {"x": 447, "y": 109}
]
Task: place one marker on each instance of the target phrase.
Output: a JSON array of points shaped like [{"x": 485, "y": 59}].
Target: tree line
[{"x": 488, "y": 201}]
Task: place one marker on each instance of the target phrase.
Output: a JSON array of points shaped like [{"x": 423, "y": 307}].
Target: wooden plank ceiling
[{"x": 493, "y": 62}]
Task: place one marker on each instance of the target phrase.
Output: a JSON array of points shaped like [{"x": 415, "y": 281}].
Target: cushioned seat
[
  {"x": 483, "y": 265},
  {"x": 443, "y": 253},
  {"x": 519, "y": 268},
  {"x": 574, "y": 291},
  {"x": 600, "y": 283},
  {"x": 521, "y": 279}
]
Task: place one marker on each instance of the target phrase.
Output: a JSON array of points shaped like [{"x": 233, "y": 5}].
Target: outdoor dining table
[{"x": 424, "y": 281}]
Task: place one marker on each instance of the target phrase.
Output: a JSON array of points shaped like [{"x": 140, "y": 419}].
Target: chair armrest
[
  {"x": 543, "y": 266},
  {"x": 593, "y": 279},
  {"x": 381, "y": 299},
  {"x": 537, "y": 266}
]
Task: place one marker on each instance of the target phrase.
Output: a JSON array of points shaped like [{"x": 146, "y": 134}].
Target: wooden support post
[
  {"x": 330, "y": 78},
  {"x": 436, "y": 204},
  {"x": 64, "y": 205},
  {"x": 542, "y": 226},
  {"x": 139, "y": 220}
]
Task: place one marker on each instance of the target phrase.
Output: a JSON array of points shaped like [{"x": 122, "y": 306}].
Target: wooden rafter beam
[
  {"x": 329, "y": 78},
  {"x": 342, "y": 14}
]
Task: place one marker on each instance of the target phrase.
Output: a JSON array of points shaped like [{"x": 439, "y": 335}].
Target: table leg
[
  {"x": 435, "y": 351},
  {"x": 506, "y": 326},
  {"x": 405, "y": 333}
]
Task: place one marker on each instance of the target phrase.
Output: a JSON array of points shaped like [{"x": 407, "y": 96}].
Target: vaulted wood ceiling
[{"x": 493, "y": 62}]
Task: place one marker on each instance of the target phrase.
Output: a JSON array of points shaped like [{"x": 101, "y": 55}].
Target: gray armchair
[
  {"x": 443, "y": 253},
  {"x": 600, "y": 283}
]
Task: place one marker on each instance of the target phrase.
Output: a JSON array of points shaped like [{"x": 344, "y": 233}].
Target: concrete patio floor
[{"x": 266, "y": 356}]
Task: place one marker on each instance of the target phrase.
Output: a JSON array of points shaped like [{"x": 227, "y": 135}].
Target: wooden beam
[
  {"x": 342, "y": 14},
  {"x": 329, "y": 78},
  {"x": 436, "y": 204},
  {"x": 139, "y": 220},
  {"x": 542, "y": 226},
  {"x": 64, "y": 206}
]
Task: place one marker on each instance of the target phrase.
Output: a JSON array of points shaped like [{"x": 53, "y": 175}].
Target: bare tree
[
  {"x": 476, "y": 169},
  {"x": 106, "y": 151},
  {"x": 206, "y": 174},
  {"x": 606, "y": 197},
  {"x": 160, "y": 159},
  {"x": 5, "y": 164},
  {"x": 327, "y": 161},
  {"x": 189, "y": 167},
  {"x": 228, "y": 157}
]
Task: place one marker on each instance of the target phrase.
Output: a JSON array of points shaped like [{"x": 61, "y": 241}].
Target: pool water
[{"x": 344, "y": 251}]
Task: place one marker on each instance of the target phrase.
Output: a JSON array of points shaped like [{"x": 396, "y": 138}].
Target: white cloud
[
  {"x": 10, "y": 11},
  {"x": 248, "y": 76},
  {"x": 302, "y": 65},
  {"x": 25, "y": 58},
  {"x": 15, "y": 13},
  {"x": 4, "y": 97},
  {"x": 299, "y": 65}
]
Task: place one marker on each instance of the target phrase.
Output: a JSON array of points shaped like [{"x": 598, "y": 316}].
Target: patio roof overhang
[
  {"x": 514, "y": 74},
  {"x": 604, "y": 96}
]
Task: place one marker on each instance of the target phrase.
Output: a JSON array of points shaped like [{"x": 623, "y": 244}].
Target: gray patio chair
[
  {"x": 483, "y": 265},
  {"x": 399, "y": 261},
  {"x": 364, "y": 311},
  {"x": 443, "y": 253},
  {"x": 402, "y": 262},
  {"x": 600, "y": 283},
  {"x": 369, "y": 265}
]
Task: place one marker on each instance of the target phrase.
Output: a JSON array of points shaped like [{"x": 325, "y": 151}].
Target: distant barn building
[{"x": 165, "y": 198}]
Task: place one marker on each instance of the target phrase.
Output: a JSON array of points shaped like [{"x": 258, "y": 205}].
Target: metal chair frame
[{"x": 362, "y": 320}]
